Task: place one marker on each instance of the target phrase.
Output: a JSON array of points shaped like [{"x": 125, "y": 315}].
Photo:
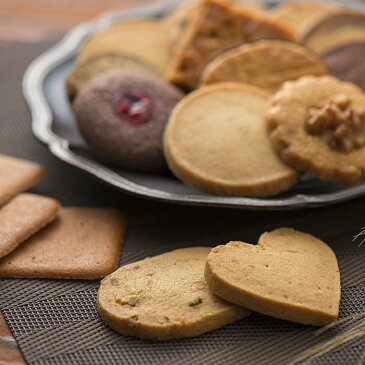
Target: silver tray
[{"x": 53, "y": 124}]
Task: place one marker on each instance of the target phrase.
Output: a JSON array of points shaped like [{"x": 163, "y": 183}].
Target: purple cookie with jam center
[{"x": 122, "y": 116}]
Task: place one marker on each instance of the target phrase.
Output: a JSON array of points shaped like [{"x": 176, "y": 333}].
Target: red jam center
[{"x": 134, "y": 107}]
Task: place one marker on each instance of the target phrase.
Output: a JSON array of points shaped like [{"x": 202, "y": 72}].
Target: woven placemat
[{"x": 56, "y": 322}]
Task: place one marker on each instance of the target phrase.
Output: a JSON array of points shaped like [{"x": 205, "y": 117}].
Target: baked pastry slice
[{"x": 217, "y": 25}]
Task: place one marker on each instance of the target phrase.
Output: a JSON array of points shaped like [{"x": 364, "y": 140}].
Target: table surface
[{"x": 30, "y": 21}]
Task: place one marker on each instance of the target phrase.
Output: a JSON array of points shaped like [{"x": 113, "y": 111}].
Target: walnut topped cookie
[{"x": 317, "y": 125}]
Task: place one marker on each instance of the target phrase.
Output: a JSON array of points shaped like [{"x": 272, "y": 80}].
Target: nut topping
[{"x": 340, "y": 124}]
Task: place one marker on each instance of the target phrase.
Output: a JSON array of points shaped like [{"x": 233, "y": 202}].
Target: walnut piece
[{"x": 339, "y": 123}]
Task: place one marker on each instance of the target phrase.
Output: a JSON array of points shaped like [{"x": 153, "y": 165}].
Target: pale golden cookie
[
  {"x": 217, "y": 26},
  {"x": 333, "y": 28},
  {"x": 297, "y": 14},
  {"x": 265, "y": 63},
  {"x": 317, "y": 125},
  {"x": 289, "y": 275},
  {"x": 81, "y": 243},
  {"x": 216, "y": 141},
  {"x": 22, "y": 217},
  {"x": 17, "y": 175},
  {"x": 82, "y": 72},
  {"x": 145, "y": 39},
  {"x": 164, "y": 297}
]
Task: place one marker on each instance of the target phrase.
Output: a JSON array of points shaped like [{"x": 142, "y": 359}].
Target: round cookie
[
  {"x": 216, "y": 141},
  {"x": 82, "y": 72},
  {"x": 146, "y": 40},
  {"x": 266, "y": 63},
  {"x": 317, "y": 125},
  {"x": 297, "y": 14},
  {"x": 347, "y": 62},
  {"x": 122, "y": 115},
  {"x": 164, "y": 297},
  {"x": 289, "y": 275},
  {"x": 333, "y": 28}
]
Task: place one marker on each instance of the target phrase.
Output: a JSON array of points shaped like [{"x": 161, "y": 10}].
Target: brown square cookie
[
  {"x": 82, "y": 243},
  {"x": 22, "y": 217},
  {"x": 17, "y": 175}
]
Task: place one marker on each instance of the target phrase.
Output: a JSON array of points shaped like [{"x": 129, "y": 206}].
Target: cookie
[
  {"x": 297, "y": 14},
  {"x": 333, "y": 28},
  {"x": 180, "y": 18},
  {"x": 216, "y": 141},
  {"x": 144, "y": 39},
  {"x": 82, "y": 72},
  {"x": 217, "y": 26},
  {"x": 317, "y": 125},
  {"x": 17, "y": 175},
  {"x": 81, "y": 243},
  {"x": 346, "y": 62},
  {"x": 164, "y": 297},
  {"x": 266, "y": 63},
  {"x": 22, "y": 217},
  {"x": 122, "y": 116},
  {"x": 289, "y": 275}
]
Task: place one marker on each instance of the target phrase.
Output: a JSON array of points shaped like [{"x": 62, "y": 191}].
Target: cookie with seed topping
[{"x": 164, "y": 297}]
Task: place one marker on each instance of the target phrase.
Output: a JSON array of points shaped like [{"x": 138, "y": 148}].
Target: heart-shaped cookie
[{"x": 289, "y": 275}]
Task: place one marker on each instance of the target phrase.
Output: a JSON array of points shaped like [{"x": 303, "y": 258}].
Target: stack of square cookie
[{"x": 40, "y": 239}]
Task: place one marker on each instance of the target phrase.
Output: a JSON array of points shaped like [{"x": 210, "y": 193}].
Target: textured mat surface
[{"x": 56, "y": 322}]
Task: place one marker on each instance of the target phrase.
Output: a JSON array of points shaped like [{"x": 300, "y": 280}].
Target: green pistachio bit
[
  {"x": 122, "y": 301},
  {"x": 208, "y": 314},
  {"x": 114, "y": 281},
  {"x": 133, "y": 300},
  {"x": 132, "y": 290},
  {"x": 195, "y": 301}
]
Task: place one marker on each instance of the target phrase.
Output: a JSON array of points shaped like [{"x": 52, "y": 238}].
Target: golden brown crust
[
  {"x": 81, "y": 243},
  {"x": 17, "y": 175},
  {"x": 289, "y": 275},
  {"x": 164, "y": 297},
  {"x": 215, "y": 141},
  {"x": 264, "y": 63},
  {"x": 23, "y": 216},
  {"x": 286, "y": 116},
  {"x": 217, "y": 26}
]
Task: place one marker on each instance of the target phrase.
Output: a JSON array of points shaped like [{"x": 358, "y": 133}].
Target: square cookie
[
  {"x": 82, "y": 243},
  {"x": 22, "y": 217},
  {"x": 17, "y": 175}
]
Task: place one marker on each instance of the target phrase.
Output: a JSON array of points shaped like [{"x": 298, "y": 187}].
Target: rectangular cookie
[
  {"x": 23, "y": 216},
  {"x": 17, "y": 175},
  {"x": 81, "y": 243},
  {"x": 217, "y": 26}
]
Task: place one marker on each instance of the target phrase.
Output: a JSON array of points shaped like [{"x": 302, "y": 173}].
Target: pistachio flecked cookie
[
  {"x": 317, "y": 125},
  {"x": 217, "y": 26},
  {"x": 144, "y": 39},
  {"x": 164, "y": 297},
  {"x": 82, "y": 72},
  {"x": 297, "y": 14},
  {"x": 216, "y": 141},
  {"x": 265, "y": 63},
  {"x": 333, "y": 28},
  {"x": 289, "y": 275}
]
